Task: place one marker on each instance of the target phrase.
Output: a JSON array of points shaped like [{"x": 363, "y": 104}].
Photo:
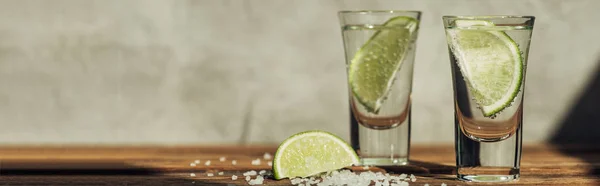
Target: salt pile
[{"x": 347, "y": 177}]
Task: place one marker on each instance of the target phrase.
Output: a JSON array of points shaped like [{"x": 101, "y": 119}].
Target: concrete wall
[{"x": 229, "y": 71}]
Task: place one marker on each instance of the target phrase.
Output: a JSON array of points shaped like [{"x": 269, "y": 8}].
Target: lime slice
[
  {"x": 310, "y": 153},
  {"x": 374, "y": 66},
  {"x": 490, "y": 62}
]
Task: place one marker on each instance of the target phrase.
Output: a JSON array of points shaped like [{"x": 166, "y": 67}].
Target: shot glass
[
  {"x": 488, "y": 56},
  {"x": 380, "y": 52}
]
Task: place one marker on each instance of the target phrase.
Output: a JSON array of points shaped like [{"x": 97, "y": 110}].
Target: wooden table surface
[{"x": 134, "y": 165}]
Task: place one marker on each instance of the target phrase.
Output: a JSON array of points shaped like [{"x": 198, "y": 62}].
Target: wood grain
[{"x": 161, "y": 165}]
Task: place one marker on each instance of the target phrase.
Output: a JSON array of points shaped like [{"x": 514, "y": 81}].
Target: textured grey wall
[{"x": 178, "y": 72}]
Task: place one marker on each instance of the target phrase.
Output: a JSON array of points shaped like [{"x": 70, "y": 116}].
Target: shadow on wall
[
  {"x": 582, "y": 124},
  {"x": 581, "y": 127}
]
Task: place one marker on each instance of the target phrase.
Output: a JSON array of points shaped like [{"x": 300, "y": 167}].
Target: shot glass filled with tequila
[
  {"x": 380, "y": 49},
  {"x": 488, "y": 56}
]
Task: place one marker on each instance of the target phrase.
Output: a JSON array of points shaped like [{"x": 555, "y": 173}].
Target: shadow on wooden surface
[
  {"x": 421, "y": 167},
  {"x": 70, "y": 167},
  {"x": 100, "y": 180},
  {"x": 581, "y": 126}
]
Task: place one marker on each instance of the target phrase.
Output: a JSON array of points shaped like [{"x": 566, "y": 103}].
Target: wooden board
[{"x": 135, "y": 165}]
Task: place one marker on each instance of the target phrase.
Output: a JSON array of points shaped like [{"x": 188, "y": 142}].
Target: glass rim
[
  {"x": 377, "y": 11},
  {"x": 487, "y": 16}
]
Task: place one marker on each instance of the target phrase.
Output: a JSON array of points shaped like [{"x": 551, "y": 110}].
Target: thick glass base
[
  {"x": 384, "y": 161},
  {"x": 381, "y": 147},
  {"x": 488, "y": 178}
]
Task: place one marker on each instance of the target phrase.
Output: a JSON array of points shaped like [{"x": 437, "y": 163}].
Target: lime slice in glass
[
  {"x": 310, "y": 153},
  {"x": 374, "y": 66},
  {"x": 490, "y": 62}
]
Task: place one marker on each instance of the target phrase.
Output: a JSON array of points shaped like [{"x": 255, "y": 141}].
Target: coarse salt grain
[
  {"x": 267, "y": 156},
  {"x": 258, "y": 181},
  {"x": 220, "y": 173},
  {"x": 234, "y": 177},
  {"x": 262, "y": 172},
  {"x": 192, "y": 164},
  {"x": 222, "y": 159},
  {"x": 250, "y": 173},
  {"x": 270, "y": 163},
  {"x": 443, "y": 184},
  {"x": 426, "y": 184},
  {"x": 207, "y": 163},
  {"x": 192, "y": 174},
  {"x": 209, "y": 174},
  {"x": 247, "y": 178},
  {"x": 197, "y": 161},
  {"x": 233, "y": 162},
  {"x": 256, "y": 162},
  {"x": 413, "y": 178}
]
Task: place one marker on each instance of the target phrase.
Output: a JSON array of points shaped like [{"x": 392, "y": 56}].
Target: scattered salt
[
  {"x": 197, "y": 161},
  {"x": 192, "y": 174},
  {"x": 209, "y": 174},
  {"x": 247, "y": 178},
  {"x": 443, "y": 184},
  {"x": 250, "y": 173},
  {"x": 234, "y": 177},
  {"x": 262, "y": 172},
  {"x": 207, "y": 163},
  {"x": 426, "y": 184},
  {"x": 256, "y": 162},
  {"x": 296, "y": 181},
  {"x": 267, "y": 156},
  {"x": 233, "y": 162},
  {"x": 413, "y": 178},
  {"x": 192, "y": 164},
  {"x": 365, "y": 167},
  {"x": 385, "y": 182},
  {"x": 222, "y": 159},
  {"x": 258, "y": 181},
  {"x": 347, "y": 177},
  {"x": 221, "y": 173},
  {"x": 270, "y": 163}
]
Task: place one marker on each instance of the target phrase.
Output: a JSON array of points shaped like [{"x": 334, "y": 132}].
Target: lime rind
[
  {"x": 489, "y": 110},
  {"x": 281, "y": 171},
  {"x": 373, "y": 97}
]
